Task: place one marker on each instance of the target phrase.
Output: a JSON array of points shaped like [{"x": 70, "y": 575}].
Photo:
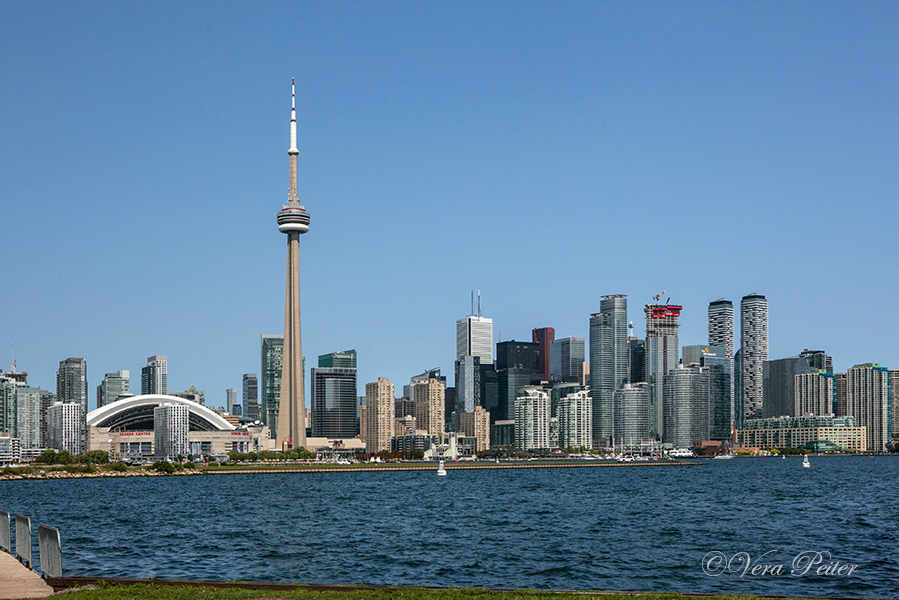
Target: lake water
[{"x": 640, "y": 528}]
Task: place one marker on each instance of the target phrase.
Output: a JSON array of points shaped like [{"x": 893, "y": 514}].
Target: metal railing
[
  {"x": 23, "y": 539},
  {"x": 5, "y": 540},
  {"x": 50, "y": 548}
]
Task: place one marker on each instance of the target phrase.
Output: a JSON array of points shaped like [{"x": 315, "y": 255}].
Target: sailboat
[
  {"x": 805, "y": 462},
  {"x": 441, "y": 471}
]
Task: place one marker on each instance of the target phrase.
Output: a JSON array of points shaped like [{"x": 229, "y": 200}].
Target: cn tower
[{"x": 294, "y": 221}]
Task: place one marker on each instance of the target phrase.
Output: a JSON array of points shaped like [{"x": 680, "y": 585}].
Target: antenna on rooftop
[
  {"x": 472, "y": 303},
  {"x": 479, "y": 303}
]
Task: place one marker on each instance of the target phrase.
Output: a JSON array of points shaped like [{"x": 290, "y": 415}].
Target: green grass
[{"x": 174, "y": 592}]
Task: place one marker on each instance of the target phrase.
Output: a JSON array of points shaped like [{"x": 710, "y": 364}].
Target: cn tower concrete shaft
[{"x": 293, "y": 220}]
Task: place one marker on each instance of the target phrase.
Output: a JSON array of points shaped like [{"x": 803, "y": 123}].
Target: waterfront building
[
  {"x": 170, "y": 431},
  {"x": 468, "y": 384},
  {"x": 738, "y": 388},
  {"x": 531, "y": 418},
  {"x": 544, "y": 337},
  {"x": 8, "y": 406},
  {"x": 334, "y": 402},
  {"x": 270, "y": 384},
  {"x": 632, "y": 412},
  {"x": 686, "y": 406},
  {"x": 842, "y": 399},
  {"x": 721, "y": 325},
  {"x": 379, "y": 419},
  {"x": 502, "y": 433},
  {"x": 476, "y": 424},
  {"x": 250, "y": 396},
  {"x": 779, "y": 385},
  {"x": 566, "y": 360},
  {"x": 417, "y": 440},
  {"x": 894, "y": 404},
  {"x": 575, "y": 418},
  {"x": 661, "y": 355},
  {"x": 608, "y": 363},
  {"x": 231, "y": 402},
  {"x": 813, "y": 393},
  {"x": 509, "y": 383},
  {"x": 490, "y": 398},
  {"x": 64, "y": 427},
  {"x": 721, "y": 407},
  {"x": 817, "y": 433},
  {"x": 10, "y": 450},
  {"x": 870, "y": 402},
  {"x": 474, "y": 337},
  {"x": 71, "y": 386},
  {"x": 115, "y": 385},
  {"x": 754, "y": 353},
  {"x": 154, "y": 378},
  {"x": 428, "y": 397},
  {"x": 558, "y": 390},
  {"x": 31, "y": 419}
]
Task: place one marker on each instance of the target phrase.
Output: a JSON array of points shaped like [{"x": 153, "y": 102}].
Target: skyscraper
[
  {"x": 870, "y": 402},
  {"x": 575, "y": 413},
  {"x": 661, "y": 352},
  {"x": 814, "y": 393},
  {"x": 334, "y": 399},
  {"x": 251, "y": 395},
  {"x": 293, "y": 220},
  {"x": 171, "y": 431},
  {"x": 566, "y": 360},
  {"x": 779, "y": 385},
  {"x": 8, "y": 406},
  {"x": 428, "y": 397},
  {"x": 608, "y": 363},
  {"x": 378, "y": 415},
  {"x": 474, "y": 337},
  {"x": 531, "y": 418},
  {"x": 544, "y": 337},
  {"x": 468, "y": 384},
  {"x": 753, "y": 353},
  {"x": 154, "y": 378},
  {"x": 31, "y": 420},
  {"x": 632, "y": 412},
  {"x": 818, "y": 360},
  {"x": 115, "y": 385},
  {"x": 686, "y": 411},
  {"x": 64, "y": 427},
  {"x": 721, "y": 325},
  {"x": 231, "y": 402},
  {"x": 270, "y": 384},
  {"x": 71, "y": 387}
]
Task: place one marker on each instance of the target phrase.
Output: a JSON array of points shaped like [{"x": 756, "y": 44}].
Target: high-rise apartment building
[
  {"x": 754, "y": 353},
  {"x": 566, "y": 360},
  {"x": 71, "y": 387},
  {"x": 721, "y": 325},
  {"x": 841, "y": 408},
  {"x": 608, "y": 363},
  {"x": 636, "y": 358},
  {"x": 31, "y": 418},
  {"x": 115, "y": 386},
  {"x": 476, "y": 424},
  {"x": 474, "y": 337},
  {"x": 532, "y": 418},
  {"x": 64, "y": 427},
  {"x": 894, "y": 403},
  {"x": 721, "y": 406},
  {"x": 231, "y": 402},
  {"x": 270, "y": 382},
  {"x": 870, "y": 402},
  {"x": 429, "y": 397},
  {"x": 544, "y": 337},
  {"x": 686, "y": 406},
  {"x": 8, "y": 406},
  {"x": 575, "y": 414},
  {"x": 171, "y": 431},
  {"x": 379, "y": 411},
  {"x": 154, "y": 378},
  {"x": 251, "y": 396},
  {"x": 813, "y": 393},
  {"x": 632, "y": 411},
  {"x": 661, "y": 352}
]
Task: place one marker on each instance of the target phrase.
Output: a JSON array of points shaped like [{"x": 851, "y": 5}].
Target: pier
[{"x": 18, "y": 581}]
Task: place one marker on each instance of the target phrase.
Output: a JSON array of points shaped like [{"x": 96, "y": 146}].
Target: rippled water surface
[{"x": 640, "y": 528}]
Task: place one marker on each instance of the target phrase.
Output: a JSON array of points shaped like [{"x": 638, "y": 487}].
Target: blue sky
[{"x": 546, "y": 153}]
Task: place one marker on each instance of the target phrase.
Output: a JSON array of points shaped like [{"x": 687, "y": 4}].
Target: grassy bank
[{"x": 171, "y": 592}]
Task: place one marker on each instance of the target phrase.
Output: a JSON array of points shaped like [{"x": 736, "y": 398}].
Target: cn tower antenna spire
[{"x": 292, "y": 195}]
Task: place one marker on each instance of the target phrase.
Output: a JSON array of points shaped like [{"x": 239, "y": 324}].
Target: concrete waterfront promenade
[
  {"x": 465, "y": 466},
  {"x": 18, "y": 581}
]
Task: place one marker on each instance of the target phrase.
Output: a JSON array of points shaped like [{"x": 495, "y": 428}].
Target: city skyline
[{"x": 600, "y": 131}]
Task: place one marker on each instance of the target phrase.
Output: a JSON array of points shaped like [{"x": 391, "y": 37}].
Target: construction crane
[{"x": 657, "y": 296}]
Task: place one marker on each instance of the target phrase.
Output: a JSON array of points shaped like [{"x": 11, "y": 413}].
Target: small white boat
[
  {"x": 805, "y": 462},
  {"x": 441, "y": 471},
  {"x": 723, "y": 456},
  {"x": 783, "y": 456}
]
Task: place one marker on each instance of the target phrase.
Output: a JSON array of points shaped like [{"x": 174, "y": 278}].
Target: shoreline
[{"x": 365, "y": 468}]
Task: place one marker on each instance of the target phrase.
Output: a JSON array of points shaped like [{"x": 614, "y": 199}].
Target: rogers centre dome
[{"x": 135, "y": 413}]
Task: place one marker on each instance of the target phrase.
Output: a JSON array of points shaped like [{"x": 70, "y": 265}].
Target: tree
[{"x": 97, "y": 457}]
